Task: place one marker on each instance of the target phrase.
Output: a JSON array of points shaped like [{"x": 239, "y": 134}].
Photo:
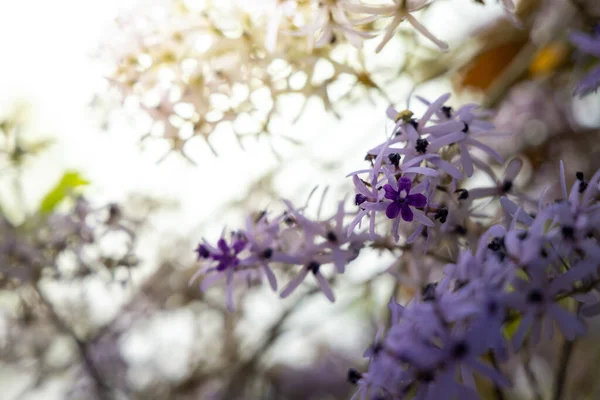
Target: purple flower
[
  {"x": 402, "y": 200},
  {"x": 228, "y": 255},
  {"x": 589, "y": 44}
]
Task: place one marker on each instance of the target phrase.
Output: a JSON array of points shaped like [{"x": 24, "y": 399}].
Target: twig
[
  {"x": 560, "y": 378},
  {"x": 497, "y": 389},
  {"x": 102, "y": 388},
  {"x": 561, "y": 372},
  {"x": 533, "y": 382}
]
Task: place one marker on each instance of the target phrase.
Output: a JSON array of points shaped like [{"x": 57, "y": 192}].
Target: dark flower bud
[
  {"x": 202, "y": 251},
  {"x": 492, "y": 307},
  {"x": 354, "y": 376},
  {"x": 441, "y": 214},
  {"x": 579, "y": 175},
  {"x": 460, "y": 349},
  {"x": 288, "y": 218},
  {"x": 567, "y": 231},
  {"x": 425, "y": 376},
  {"x": 464, "y": 194},
  {"x": 506, "y": 186},
  {"x": 421, "y": 146},
  {"x": 428, "y": 292},
  {"x": 331, "y": 236},
  {"x": 461, "y": 230},
  {"x": 313, "y": 267},
  {"x": 496, "y": 244},
  {"x": 394, "y": 159},
  {"x": 447, "y": 111},
  {"x": 267, "y": 253},
  {"x": 522, "y": 235},
  {"x": 535, "y": 296},
  {"x": 359, "y": 199}
]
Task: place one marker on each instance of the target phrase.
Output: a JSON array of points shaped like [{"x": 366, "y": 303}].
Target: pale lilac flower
[
  {"x": 536, "y": 299},
  {"x": 503, "y": 185},
  {"x": 473, "y": 127},
  {"x": 401, "y": 10},
  {"x": 589, "y": 44}
]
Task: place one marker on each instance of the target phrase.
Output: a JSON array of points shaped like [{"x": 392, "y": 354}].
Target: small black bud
[
  {"x": 496, "y": 244},
  {"x": 447, "y": 111},
  {"x": 522, "y": 235},
  {"x": 421, "y": 146},
  {"x": 428, "y": 291},
  {"x": 567, "y": 231},
  {"x": 441, "y": 214},
  {"x": 506, "y": 186},
  {"x": 460, "y": 349},
  {"x": 267, "y": 253},
  {"x": 359, "y": 199},
  {"x": 202, "y": 251},
  {"x": 461, "y": 230},
  {"x": 313, "y": 267},
  {"x": 394, "y": 159},
  {"x": 535, "y": 296},
  {"x": 353, "y": 376},
  {"x": 331, "y": 236},
  {"x": 464, "y": 194}
]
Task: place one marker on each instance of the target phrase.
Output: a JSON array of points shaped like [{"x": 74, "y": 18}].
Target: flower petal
[
  {"x": 416, "y": 200},
  {"x": 404, "y": 184},
  {"x": 390, "y": 193},
  {"x": 407, "y": 213},
  {"x": 393, "y": 209}
]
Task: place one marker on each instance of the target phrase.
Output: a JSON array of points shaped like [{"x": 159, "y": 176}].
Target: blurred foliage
[{"x": 66, "y": 186}]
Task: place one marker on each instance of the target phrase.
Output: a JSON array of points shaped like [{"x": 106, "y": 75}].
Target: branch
[
  {"x": 102, "y": 388},
  {"x": 560, "y": 378}
]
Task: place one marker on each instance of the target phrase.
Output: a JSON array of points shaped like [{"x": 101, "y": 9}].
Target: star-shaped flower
[{"x": 402, "y": 200}]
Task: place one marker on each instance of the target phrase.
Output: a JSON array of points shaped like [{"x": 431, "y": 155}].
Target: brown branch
[{"x": 102, "y": 388}]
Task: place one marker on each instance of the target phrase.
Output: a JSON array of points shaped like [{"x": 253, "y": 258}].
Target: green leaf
[{"x": 63, "y": 188}]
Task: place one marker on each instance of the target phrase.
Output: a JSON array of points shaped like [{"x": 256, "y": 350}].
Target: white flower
[{"x": 401, "y": 10}]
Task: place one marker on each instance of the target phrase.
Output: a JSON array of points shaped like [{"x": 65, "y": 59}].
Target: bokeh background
[{"x": 94, "y": 294}]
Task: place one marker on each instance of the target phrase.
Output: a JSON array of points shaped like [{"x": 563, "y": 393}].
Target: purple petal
[
  {"x": 404, "y": 184},
  {"x": 422, "y": 218},
  {"x": 393, "y": 209},
  {"x": 586, "y": 43},
  {"x": 324, "y": 286},
  {"x": 390, "y": 193},
  {"x": 223, "y": 245},
  {"x": 239, "y": 245},
  {"x": 407, "y": 213},
  {"x": 416, "y": 200}
]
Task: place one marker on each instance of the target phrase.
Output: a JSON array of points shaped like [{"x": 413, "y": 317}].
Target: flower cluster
[
  {"x": 526, "y": 273},
  {"x": 416, "y": 173},
  {"x": 190, "y": 72},
  {"x": 290, "y": 239},
  {"x": 50, "y": 241}
]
